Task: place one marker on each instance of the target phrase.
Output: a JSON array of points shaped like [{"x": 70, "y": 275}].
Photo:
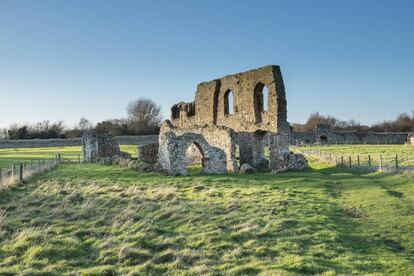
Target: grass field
[
  {"x": 405, "y": 152},
  {"x": 14, "y": 156},
  {"x": 94, "y": 219}
]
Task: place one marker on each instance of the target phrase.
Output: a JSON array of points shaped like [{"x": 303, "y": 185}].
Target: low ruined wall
[
  {"x": 217, "y": 145},
  {"x": 44, "y": 143},
  {"x": 137, "y": 140},
  {"x": 39, "y": 143},
  {"x": 297, "y": 138},
  {"x": 351, "y": 137},
  {"x": 386, "y": 138}
]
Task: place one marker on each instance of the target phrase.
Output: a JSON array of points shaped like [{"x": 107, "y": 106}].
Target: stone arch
[
  {"x": 228, "y": 102},
  {"x": 194, "y": 154},
  {"x": 260, "y": 101},
  {"x": 173, "y": 148}
]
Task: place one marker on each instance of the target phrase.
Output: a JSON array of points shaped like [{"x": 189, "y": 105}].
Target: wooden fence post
[
  {"x": 396, "y": 162},
  {"x": 369, "y": 160},
  {"x": 21, "y": 172},
  {"x": 350, "y": 161},
  {"x": 380, "y": 164},
  {"x": 358, "y": 160},
  {"x": 342, "y": 161},
  {"x": 13, "y": 170}
]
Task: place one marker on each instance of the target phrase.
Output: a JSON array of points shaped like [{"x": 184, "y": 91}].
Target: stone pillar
[{"x": 89, "y": 147}]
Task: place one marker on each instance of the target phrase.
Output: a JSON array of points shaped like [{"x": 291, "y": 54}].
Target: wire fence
[
  {"x": 25, "y": 169},
  {"x": 371, "y": 162}
]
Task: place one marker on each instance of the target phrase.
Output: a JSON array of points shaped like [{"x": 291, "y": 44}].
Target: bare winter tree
[
  {"x": 144, "y": 116},
  {"x": 85, "y": 124}
]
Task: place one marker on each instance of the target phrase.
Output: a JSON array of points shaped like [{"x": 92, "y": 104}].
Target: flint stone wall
[
  {"x": 44, "y": 143},
  {"x": 101, "y": 148},
  {"x": 249, "y": 113},
  {"x": 410, "y": 139},
  {"x": 148, "y": 153},
  {"x": 249, "y": 118},
  {"x": 217, "y": 145}
]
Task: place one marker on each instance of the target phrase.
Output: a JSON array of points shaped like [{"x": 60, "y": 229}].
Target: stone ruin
[
  {"x": 410, "y": 139},
  {"x": 102, "y": 148},
  {"x": 237, "y": 114},
  {"x": 322, "y": 133}
]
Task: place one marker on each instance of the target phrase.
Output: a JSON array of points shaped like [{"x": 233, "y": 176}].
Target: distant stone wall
[
  {"x": 44, "y": 143},
  {"x": 297, "y": 138},
  {"x": 350, "y": 137},
  {"x": 137, "y": 140}
]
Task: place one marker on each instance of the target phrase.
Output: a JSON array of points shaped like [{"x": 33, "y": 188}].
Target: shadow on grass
[{"x": 306, "y": 215}]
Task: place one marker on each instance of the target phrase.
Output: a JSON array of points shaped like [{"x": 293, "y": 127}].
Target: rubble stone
[{"x": 246, "y": 168}]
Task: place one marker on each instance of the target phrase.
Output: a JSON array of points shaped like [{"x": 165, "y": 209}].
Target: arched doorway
[{"x": 194, "y": 158}]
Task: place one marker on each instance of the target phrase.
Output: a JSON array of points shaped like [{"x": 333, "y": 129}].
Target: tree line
[
  {"x": 403, "y": 123},
  {"x": 143, "y": 118}
]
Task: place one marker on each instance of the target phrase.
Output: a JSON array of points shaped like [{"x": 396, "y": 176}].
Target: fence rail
[
  {"x": 359, "y": 161},
  {"x": 25, "y": 169}
]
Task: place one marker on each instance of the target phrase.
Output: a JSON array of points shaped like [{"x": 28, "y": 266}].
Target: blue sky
[{"x": 61, "y": 60}]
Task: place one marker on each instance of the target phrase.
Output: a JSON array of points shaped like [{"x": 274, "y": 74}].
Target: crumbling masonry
[
  {"x": 245, "y": 110},
  {"x": 102, "y": 148}
]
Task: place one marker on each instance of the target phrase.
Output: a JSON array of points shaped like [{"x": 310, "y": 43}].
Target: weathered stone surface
[
  {"x": 246, "y": 168},
  {"x": 290, "y": 162},
  {"x": 102, "y": 149},
  {"x": 410, "y": 139},
  {"x": 217, "y": 145},
  {"x": 140, "y": 165},
  {"x": 148, "y": 153},
  {"x": 233, "y": 110}
]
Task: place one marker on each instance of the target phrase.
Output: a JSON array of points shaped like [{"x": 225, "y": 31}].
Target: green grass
[
  {"x": 93, "y": 220},
  {"x": 14, "y": 156},
  {"x": 405, "y": 152}
]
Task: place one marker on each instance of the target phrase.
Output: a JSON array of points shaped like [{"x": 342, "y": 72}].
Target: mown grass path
[{"x": 98, "y": 219}]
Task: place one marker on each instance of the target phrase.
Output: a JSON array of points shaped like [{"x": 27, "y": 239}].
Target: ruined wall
[
  {"x": 410, "y": 139},
  {"x": 101, "y": 148},
  {"x": 148, "y": 153},
  {"x": 323, "y": 133},
  {"x": 299, "y": 138},
  {"x": 249, "y": 112},
  {"x": 385, "y": 138},
  {"x": 252, "y": 104},
  {"x": 217, "y": 145}
]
